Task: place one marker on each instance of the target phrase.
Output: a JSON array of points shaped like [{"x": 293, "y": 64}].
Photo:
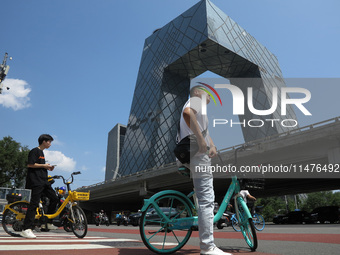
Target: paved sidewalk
[{"x": 274, "y": 240}]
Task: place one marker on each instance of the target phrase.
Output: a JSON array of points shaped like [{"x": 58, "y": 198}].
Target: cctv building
[{"x": 201, "y": 39}]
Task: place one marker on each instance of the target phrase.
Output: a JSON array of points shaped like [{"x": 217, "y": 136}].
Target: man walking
[{"x": 37, "y": 181}]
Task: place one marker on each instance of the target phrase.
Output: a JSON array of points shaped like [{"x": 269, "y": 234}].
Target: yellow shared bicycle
[{"x": 69, "y": 212}]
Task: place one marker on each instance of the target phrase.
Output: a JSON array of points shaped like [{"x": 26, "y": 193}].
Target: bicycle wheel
[
  {"x": 79, "y": 225},
  {"x": 258, "y": 222},
  {"x": 235, "y": 225},
  {"x": 162, "y": 236},
  {"x": 219, "y": 224},
  {"x": 12, "y": 222},
  {"x": 246, "y": 225}
]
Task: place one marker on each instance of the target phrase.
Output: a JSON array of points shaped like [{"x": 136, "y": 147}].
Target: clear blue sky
[{"x": 75, "y": 64}]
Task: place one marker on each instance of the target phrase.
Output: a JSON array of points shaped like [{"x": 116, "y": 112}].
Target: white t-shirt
[
  {"x": 194, "y": 103},
  {"x": 244, "y": 193}
]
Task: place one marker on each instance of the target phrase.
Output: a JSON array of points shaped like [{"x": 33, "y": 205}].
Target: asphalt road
[{"x": 312, "y": 239}]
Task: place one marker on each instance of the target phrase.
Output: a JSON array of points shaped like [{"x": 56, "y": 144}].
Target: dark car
[
  {"x": 298, "y": 217},
  {"x": 135, "y": 218},
  {"x": 295, "y": 217},
  {"x": 324, "y": 214},
  {"x": 278, "y": 219},
  {"x": 151, "y": 216}
]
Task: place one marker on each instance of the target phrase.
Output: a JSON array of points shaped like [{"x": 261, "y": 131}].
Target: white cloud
[
  {"x": 63, "y": 162},
  {"x": 104, "y": 169},
  {"x": 84, "y": 168},
  {"x": 17, "y": 97},
  {"x": 56, "y": 141}
]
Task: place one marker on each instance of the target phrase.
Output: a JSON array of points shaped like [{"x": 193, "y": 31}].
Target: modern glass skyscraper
[{"x": 201, "y": 39}]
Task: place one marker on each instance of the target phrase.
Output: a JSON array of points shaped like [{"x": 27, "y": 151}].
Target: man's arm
[
  {"x": 251, "y": 197},
  {"x": 213, "y": 150},
  {"x": 189, "y": 116},
  {"x": 46, "y": 166}
]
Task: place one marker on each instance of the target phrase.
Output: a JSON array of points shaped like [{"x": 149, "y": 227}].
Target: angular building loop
[{"x": 201, "y": 39}]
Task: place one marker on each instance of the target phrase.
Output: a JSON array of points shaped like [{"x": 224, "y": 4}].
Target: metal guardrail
[
  {"x": 126, "y": 176},
  {"x": 297, "y": 130},
  {"x": 231, "y": 148},
  {"x": 25, "y": 193}
]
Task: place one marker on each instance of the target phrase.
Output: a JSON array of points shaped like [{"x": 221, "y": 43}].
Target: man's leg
[
  {"x": 203, "y": 184},
  {"x": 31, "y": 210},
  {"x": 50, "y": 193},
  {"x": 251, "y": 207},
  {"x": 53, "y": 201}
]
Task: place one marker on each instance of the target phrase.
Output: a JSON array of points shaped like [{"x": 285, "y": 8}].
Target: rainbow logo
[{"x": 209, "y": 93}]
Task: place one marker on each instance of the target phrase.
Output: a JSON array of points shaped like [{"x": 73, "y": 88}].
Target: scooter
[
  {"x": 225, "y": 220},
  {"x": 122, "y": 220},
  {"x": 101, "y": 219}
]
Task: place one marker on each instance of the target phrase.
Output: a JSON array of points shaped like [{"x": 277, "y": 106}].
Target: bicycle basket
[
  {"x": 82, "y": 196},
  {"x": 11, "y": 198}
]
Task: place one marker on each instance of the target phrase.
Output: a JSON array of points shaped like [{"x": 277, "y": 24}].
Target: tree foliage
[
  {"x": 13, "y": 162},
  {"x": 322, "y": 198},
  {"x": 272, "y": 206},
  {"x": 277, "y": 205}
]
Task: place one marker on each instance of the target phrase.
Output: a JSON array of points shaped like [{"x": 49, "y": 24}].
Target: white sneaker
[
  {"x": 49, "y": 226},
  {"x": 214, "y": 251},
  {"x": 28, "y": 233}
]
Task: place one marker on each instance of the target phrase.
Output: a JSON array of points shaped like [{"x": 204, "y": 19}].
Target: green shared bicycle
[{"x": 171, "y": 214}]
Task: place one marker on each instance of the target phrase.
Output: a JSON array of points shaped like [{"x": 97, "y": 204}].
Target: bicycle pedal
[{"x": 57, "y": 223}]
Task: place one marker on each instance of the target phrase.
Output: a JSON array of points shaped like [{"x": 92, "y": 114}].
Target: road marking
[
  {"x": 54, "y": 247},
  {"x": 164, "y": 243},
  {"x": 58, "y": 241},
  {"x": 68, "y": 240}
]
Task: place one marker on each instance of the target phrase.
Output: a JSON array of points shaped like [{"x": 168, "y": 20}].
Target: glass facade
[
  {"x": 114, "y": 151},
  {"x": 201, "y": 39}
]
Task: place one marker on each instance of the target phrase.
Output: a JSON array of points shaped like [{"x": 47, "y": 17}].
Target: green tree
[
  {"x": 322, "y": 198},
  {"x": 335, "y": 199},
  {"x": 272, "y": 205},
  {"x": 13, "y": 162}
]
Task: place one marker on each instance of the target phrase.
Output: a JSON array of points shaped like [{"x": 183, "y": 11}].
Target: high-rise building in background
[
  {"x": 201, "y": 39},
  {"x": 114, "y": 151}
]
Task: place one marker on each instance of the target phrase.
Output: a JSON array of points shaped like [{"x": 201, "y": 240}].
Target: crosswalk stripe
[
  {"x": 58, "y": 241},
  {"x": 166, "y": 244},
  {"x": 68, "y": 240},
  {"x": 53, "y": 247},
  {"x": 42, "y": 235},
  {"x": 53, "y": 236}
]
